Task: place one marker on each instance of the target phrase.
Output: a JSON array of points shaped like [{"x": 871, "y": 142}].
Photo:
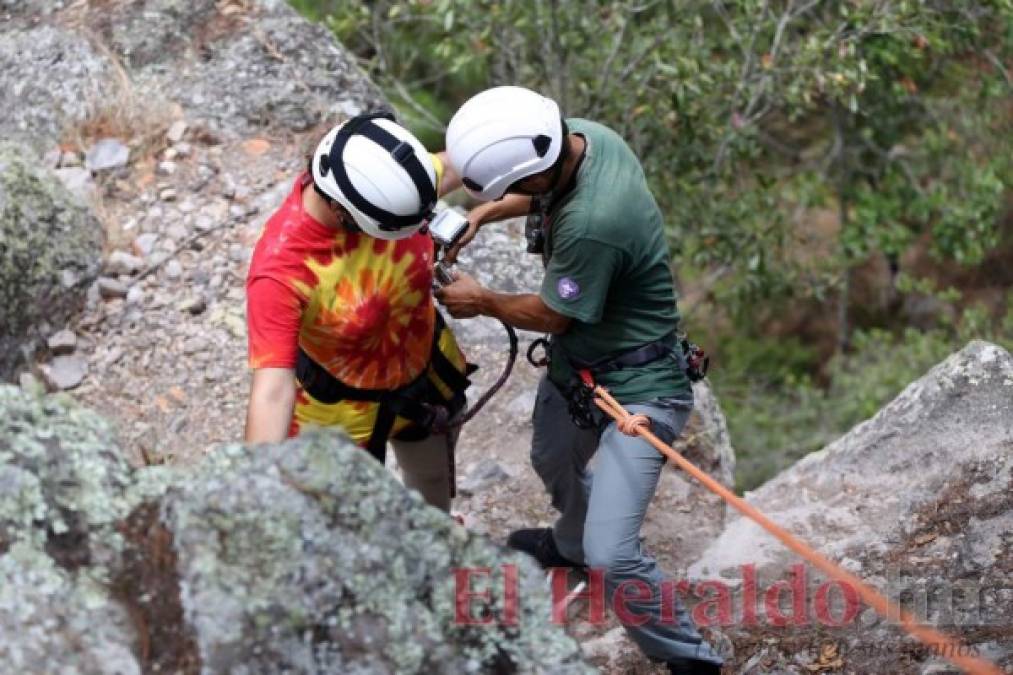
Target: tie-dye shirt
[{"x": 359, "y": 306}]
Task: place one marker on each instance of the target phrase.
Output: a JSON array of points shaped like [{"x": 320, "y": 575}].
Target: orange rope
[{"x": 949, "y": 647}]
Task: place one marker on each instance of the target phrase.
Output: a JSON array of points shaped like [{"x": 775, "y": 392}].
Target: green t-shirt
[{"x": 607, "y": 269}]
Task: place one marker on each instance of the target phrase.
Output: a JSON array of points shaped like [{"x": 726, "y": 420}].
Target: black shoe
[
  {"x": 541, "y": 545},
  {"x": 693, "y": 667}
]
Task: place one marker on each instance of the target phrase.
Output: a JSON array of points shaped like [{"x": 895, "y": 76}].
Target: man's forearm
[
  {"x": 525, "y": 311},
  {"x": 510, "y": 206}
]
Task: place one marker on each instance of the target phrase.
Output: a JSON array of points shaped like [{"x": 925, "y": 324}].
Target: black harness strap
[
  {"x": 403, "y": 154},
  {"x": 652, "y": 351},
  {"x": 418, "y": 401}
]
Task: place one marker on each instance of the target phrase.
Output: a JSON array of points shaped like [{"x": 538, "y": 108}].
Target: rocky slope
[
  {"x": 300, "y": 557},
  {"x": 917, "y": 500},
  {"x": 182, "y": 153}
]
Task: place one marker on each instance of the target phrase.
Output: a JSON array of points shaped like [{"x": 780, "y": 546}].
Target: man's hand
[{"x": 463, "y": 298}]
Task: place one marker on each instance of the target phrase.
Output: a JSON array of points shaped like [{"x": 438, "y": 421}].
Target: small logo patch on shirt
[{"x": 567, "y": 288}]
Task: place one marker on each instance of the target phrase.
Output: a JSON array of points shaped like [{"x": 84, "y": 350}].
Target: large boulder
[
  {"x": 917, "y": 500},
  {"x": 49, "y": 79},
  {"x": 63, "y": 489},
  {"x": 304, "y": 556},
  {"x": 50, "y": 250},
  {"x": 237, "y": 67}
]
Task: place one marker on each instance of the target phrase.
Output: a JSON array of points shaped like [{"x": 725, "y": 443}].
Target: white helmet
[
  {"x": 502, "y": 135},
  {"x": 379, "y": 172}
]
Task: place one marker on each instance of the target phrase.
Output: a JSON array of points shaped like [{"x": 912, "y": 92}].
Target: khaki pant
[{"x": 424, "y": 467}]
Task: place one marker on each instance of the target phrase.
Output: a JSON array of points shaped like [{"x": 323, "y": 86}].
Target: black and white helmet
[{"x": 379, "y": 172}]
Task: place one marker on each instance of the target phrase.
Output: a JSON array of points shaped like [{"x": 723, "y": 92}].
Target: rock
[
  {"x": 166, "y": 168},
  {"x": 135, "y": 295},
  {"x": 177, "y": 232},
  {"x": 71, "y": 160},
  {"x": 710, "y": 447},
  {"x": 606, "y": 649},
  {"x": 30, "y": 384},
  {"x": 78, "y": 181},
  {"x": 297, "y": 511},
  {"x": 522, "y": 406},
  {"x": 62, "y": 342},
  {"x": 144, "y": 244},
  {"x": 918, "y": 497},
  {"x": 105, "y": 154},
  {"x": 237, "y": 253},
  {"x": 59, "y": 623},
  {"x": 64, "y": 487},
  {"x": 203, "y": 222},
  {"x": 121, "y": 262},
  {"x": 488, "y": 472},
  {"x": 176, "y": 131},
  {"x": 183, "y": 150},
  {"x": 194, "y": 345},
  {"x": 173, "y": 269},
  {"x": 193, "y": 305},
  {"x": 65, "y": 372},
  {"x": 51, "y": 160},
  {"x": 48, "y": 78},
  {"x": 110, "y": 288},
  {"x": 167, "y": 195},
  {"x": 36, "y": 211},
  {"x": 230, "y": 566}
]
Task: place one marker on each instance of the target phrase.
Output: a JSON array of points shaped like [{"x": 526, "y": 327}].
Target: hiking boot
[
  {"x": 693, "y": 667},
  {"x": 540, "y": 545}
]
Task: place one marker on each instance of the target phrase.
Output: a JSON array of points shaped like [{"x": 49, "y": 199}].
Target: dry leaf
[{"x": 255, "y": 147}]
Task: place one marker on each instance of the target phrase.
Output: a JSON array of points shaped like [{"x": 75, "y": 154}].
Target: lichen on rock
[
  {"x": 50, "y": 250},
  {"x": 64, "y": 482},
  {"x": 309, "y": 556}
]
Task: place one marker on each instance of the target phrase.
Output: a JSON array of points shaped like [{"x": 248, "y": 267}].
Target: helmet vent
[
  {"x": 541, "y": 143},
  {"x": 471, "y": 185},
  {"x": 325, "y": 164}
]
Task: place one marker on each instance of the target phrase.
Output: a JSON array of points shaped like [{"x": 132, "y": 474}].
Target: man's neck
[
  {"x": 316, "y": 207},
  {"x": 577, "y": 144}
]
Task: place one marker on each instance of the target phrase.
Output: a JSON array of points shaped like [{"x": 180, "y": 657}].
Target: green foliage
[
  {"x": 776, "y": 414},
  {"x": 744, "y": 113}
]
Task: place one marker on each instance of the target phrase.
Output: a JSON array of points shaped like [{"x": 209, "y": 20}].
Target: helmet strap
[
  {"x": 347, "y": 223},
  {"x": 402, "y": 152}
]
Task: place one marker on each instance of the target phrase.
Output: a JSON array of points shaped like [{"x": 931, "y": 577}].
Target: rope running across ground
[{"x": 951, "y": 648}]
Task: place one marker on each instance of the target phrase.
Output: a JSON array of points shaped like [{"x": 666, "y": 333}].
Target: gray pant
[{"x": 601, "y": 514}]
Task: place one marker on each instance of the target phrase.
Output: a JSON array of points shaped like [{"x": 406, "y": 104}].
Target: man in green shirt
[{"x": 608, "y": 299}]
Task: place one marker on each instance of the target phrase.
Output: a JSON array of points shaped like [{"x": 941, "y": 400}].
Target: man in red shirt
[{"x": 342, "y": 327}]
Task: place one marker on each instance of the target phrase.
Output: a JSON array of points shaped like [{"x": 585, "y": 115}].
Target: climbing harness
[
  {"x": 948, "y": 647},
  {"x": 420, "y": 401},
  {"x": 690, "y": 358}
]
